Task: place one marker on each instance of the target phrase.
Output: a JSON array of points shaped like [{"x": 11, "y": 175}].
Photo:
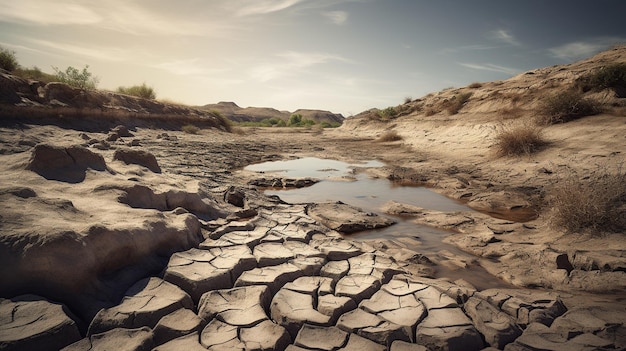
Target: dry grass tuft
[
  {"x": 457, "y": 102},
  {"x": 566, "y": 106},
  {"x": 190, "y": 129},
  {"x": 391, "y": 135},
  {"x": 596, "y": 203},
  {"x": 519, "y": 140}
]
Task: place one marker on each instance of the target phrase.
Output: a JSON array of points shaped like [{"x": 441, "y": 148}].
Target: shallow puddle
[{"x": 338, "y": 182}]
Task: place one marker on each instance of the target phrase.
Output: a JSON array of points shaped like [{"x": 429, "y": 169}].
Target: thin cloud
[
  {"x": 291, "y": 62},
  {"x": 582, "y": 49},
  {"x": 102, "y": 53},
  {"x": 503, "y": 36},
  {"x": 337, "y": 17},
  {"x": 476, "y": 47},
  {"x": 490, "y": 67},
  {"x": 40, "y": 12},
  {"x": 261, "y": 7}
]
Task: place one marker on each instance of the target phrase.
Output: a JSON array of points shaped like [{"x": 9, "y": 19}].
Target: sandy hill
[{"x": 235, "y": 113}]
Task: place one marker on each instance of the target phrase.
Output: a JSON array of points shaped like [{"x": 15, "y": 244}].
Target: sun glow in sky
[{"x": 345, "y": 56}]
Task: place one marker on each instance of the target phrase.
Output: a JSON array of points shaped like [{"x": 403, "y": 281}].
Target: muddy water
[{"x": 339, "y": 181}]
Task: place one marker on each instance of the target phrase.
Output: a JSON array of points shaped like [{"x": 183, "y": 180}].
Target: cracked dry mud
[{"x": 253, "y": 273}]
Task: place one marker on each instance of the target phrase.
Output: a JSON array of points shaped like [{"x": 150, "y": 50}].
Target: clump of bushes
[
  {"x": 142, "y": 91},
  {"x": 76, "y": 78},
  {"x": 519, "y": 140},
  {"x": 387, "y": 114},
  {"x": 567, "y": 106},
  {"x": 611, "y": 76},
  {"x": 8, "y": 61},
  {"x": 190, "y": 129},
  {"x": 391, "y": 135},
  {"x": 457, "y": 102},
  {"x": 593, "y": 203},
  {"x": 35, "y": 73}
]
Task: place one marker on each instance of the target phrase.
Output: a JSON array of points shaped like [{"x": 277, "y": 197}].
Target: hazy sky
[{"x": 345, "y": 56}]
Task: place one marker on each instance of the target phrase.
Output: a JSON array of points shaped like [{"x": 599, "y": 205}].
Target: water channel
[{"x": 340, "y": 181}]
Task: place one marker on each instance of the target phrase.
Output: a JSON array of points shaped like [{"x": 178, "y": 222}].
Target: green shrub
[
  {"x": 566, "y": 106},
  {"x": 294, "y": 120},
  {"x": 190, "y": 129},
  {"x": 35, "y": 73},
  {"x": 77, "y": 79},
  {"x": 596, "y": 202},
  {"x": 142, "y": 91},
  {"x": 8, "y": 61},
  {"x": 387, "y": 114},
  {"x": 611, "y": 76},
  {"x": 457, "y": 102},
  {"x": 518, "y": 140}
]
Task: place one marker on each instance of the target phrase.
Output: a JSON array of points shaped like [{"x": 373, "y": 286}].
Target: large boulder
[
  {"x": 67, "y": 164},
  {"x": 138, "y": 157}
]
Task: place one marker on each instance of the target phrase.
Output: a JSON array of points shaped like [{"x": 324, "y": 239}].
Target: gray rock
[
  {"x": 190, "y": 342},
  {"x": 138, "y": 157},
  {"x": 400, "y": 345},
  {"x": 198, "y": 271},
  {"x": 176, "y": 324},
  {"x": 538, "y": 336},
  {"x": 345, "y": 218},
  {"x": 116, "y": 339},
  {"x": 273, "y": 277},
  {"x": 448, "y": 329},
  {"x": 67, "y": 164},
  {"x": 498, "y": 328},
  {"x": 144, "y": 304},
  {"x": 321, "y": 338},
  {"x": 601, "y": 321},
  {"x": 30, "y": 322},
  {"x": 243, "y": 306}
]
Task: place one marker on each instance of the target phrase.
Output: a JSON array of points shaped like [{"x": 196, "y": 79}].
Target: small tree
[
  {"x": 142, "y": 91},
  {"x": 77, "y": 79},
  {"x": 295, "y": 120},
  {"x": 7, "y": 60}
]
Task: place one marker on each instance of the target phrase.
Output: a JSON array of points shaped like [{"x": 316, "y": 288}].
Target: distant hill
[{"x": 233, "y": 112}]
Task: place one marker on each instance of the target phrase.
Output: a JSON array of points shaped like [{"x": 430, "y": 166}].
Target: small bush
[
  {"x": 391, "y": 135},
  {"x": 518, "y": 140},
  {"x": 566, "y": 106},
  {"x": 611, "y": 76},
  {"x": 35, "y": 73},
  {"x": 387, "y": 114},
  {"x": 475, "y": 85},
  {"x": 594, "y": 203},
  {"x": 77, "y": 79},
  {"x": 8, "y": 61},
  {"x": 142, "y": 91},
  {"x": 190, "y": 129},
  {"x": 408, "y": 99},
  {"x": 456, "y": 103}
]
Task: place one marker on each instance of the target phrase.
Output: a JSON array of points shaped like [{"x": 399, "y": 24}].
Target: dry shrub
[
  {"x": 519, "y": 140},
  {"x": 391, "y": 135},
  {"x": 594, "y": 203},
  {"x": 457, "y": 102},
  {"x": 475, "y": 85},
  {"x": 566, "y": 106},
  {"x": 190, "y": 129}
]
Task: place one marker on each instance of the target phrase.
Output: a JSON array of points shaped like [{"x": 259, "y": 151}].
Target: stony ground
[{"x": 252, "y": 272}]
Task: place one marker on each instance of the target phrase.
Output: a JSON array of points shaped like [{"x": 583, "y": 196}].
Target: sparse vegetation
[
  {"x": 190, "y": 129},
  {"x": 457, "y": 102},
  {"x": 222, "y": 120},
  {"x": 391, "y": 135},
  {"x": 142, "y": 91},
  {"x": 519, "y": 140},
  {"x": 35, "y": 73},
  {"x": 593, "y": 203},
  {"x": 566, "y": 106},
  {"x": 407, "y": 99},
  {"x": 387, "y": 114},
  {"x": 77, "y": 79},
  {"x": 611, "y": 76},
  {"x": 475, "y": 85},
  {"x": 8, "y": 61}
]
